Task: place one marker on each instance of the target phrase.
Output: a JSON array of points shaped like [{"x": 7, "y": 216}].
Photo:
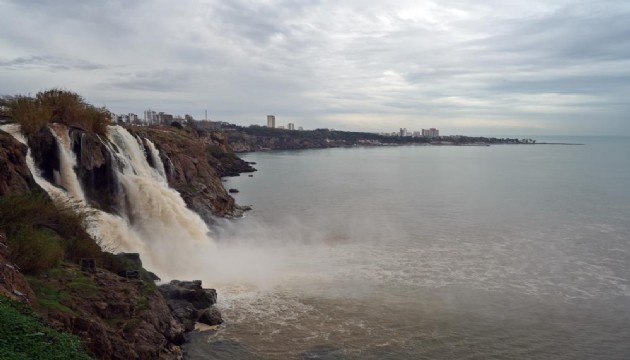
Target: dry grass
[{"x": 56, "y": 105}]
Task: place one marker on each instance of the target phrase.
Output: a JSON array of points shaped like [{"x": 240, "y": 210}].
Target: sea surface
[{"x": 428, "y": 252}]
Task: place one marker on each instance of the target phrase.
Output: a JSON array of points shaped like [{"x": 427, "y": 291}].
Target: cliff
[{"x": 245, "y": 141}]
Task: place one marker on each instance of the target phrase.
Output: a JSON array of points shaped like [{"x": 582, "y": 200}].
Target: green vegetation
[
  {"x": 24, "y": 337},
  {"x": 41, "y": 234},
  {"x": 57, "y": 288},
  {"x": 48, "y": 296},
  {"x": 55, "y": 105}
]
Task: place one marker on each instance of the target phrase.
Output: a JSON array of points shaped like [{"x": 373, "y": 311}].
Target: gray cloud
[
  {"x": 482, "y": 67},
  {"x": 50, "y": 63}
]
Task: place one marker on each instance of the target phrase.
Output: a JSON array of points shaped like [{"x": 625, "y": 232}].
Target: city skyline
[{"x": 492, "y": 67}]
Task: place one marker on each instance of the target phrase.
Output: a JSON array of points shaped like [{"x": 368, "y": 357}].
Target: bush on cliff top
[
  {"x": 41, "y": 235},
  {"x": 55, "y": 105}
]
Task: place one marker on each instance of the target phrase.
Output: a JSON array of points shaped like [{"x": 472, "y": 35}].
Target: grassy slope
[{"x": 23, "y": 336}]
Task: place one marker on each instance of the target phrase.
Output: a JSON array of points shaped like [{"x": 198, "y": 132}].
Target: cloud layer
[{"x": 485, "y": 67}]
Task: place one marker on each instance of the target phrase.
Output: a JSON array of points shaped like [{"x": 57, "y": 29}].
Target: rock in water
[
  {"x": 211, "y": 316},
  {"x": 188, "y": 301}
]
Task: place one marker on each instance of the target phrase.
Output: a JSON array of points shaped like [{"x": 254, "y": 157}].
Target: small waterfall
[
  {"x": 66, "y": 177},
  {"x": 155, "y": 155}
]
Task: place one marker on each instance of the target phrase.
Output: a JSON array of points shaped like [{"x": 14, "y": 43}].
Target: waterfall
[
  {"x": 155, "y": 221},
  {"x": 155, "y": 155},
  {"x": 66, "y": 176}
]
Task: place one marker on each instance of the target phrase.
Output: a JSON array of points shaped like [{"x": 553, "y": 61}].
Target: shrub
[
  {"x": 28, "y": 113},
  {"x": 41, "y": 234},
  {"x": 56, "y": 105},
  {"x": 35, "y": 249}
]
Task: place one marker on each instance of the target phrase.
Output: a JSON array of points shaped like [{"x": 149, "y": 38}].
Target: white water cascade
[
  {"x": 155, "y": 221},
  {"x": 155, "y": 155},
  {"x": 157, "y": 213},
  {"x": 66, "y": 176}
]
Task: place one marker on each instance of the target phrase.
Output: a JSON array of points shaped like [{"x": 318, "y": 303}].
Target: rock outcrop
[
  {"x": 191, "y": 303},
  {"x": 15, "y": 177},
  {"x": 95, "y": 169},
  {"x": 117, "y": 318}
]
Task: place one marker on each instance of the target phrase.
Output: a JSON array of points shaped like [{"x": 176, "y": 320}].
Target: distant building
[
  {"x": 430, "y": 133},
  {"x": 403, "y": 132},
  {"x": 164, "y": 118},
  {"x": 301, "y": 128},
  {"x": 417, "y": 134},
  {"x": 188, "y": 118},
  {"x": 150, "y": 117},
  {"x": 271, "y": 121},
  {"x": 281, "y": 127},
  {"x": 291, "y": 126}
]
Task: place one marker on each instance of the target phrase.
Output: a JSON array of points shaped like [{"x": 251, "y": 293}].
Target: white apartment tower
[
  {"x": 150, "y": 117},
  {"x": 271, "y": 121}
]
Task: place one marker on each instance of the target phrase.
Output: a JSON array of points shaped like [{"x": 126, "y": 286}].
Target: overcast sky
[{"x": 466, "y": 67}]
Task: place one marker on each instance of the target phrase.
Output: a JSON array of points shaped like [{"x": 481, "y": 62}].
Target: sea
[{"x": 428, "y": 252}]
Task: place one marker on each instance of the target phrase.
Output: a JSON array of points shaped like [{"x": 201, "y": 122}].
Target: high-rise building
[
  {"x": 291, "y": 126},
  {"x": 150, "y": 117},
  {"x": 271, "y": 121},
  {"x": 432, "y": 132}
]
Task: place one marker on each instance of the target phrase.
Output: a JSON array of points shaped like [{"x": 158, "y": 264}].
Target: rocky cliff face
[
  {"x": 118, "y": 318},
  {"x": 15, "y": 177},
  {"x": 240, "y": 142},
  {"x": 95, "y": 169}
]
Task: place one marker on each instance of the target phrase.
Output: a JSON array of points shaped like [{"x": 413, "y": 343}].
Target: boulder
[
  {"x": 211, "y": 316},
  {"x": 188, "y": 302}
]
